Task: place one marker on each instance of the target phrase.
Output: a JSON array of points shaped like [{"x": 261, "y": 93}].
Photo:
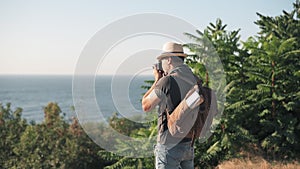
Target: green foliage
[
  {"x": 51, "y": 144},
  {"x": 230, "y": 133},
  {"x": 127, "y": 162},
  {"x": 123, "y": 125},
  {"x": 262, "y": 92},
  {"x": 148, "y": 131},
  {"x": 11, "y": 125},
  {"x": 275, "y": 91}
]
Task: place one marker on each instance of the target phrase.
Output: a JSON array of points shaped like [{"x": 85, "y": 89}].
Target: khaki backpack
[{"x": 193, "y": 116}]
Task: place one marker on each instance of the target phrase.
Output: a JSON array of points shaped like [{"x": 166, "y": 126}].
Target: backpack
[{"x": 193, "y": 116}]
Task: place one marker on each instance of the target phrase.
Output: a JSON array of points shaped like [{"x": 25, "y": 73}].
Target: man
[{"x": 167, "y": 91}]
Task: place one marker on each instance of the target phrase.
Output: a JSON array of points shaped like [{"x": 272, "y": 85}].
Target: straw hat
[{"x": 172, "y": 49}]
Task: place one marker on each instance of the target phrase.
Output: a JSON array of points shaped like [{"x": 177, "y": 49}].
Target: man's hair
[{"x": 176, "y": 60}]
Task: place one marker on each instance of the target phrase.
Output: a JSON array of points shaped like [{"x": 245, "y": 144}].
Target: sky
[{"x": 48, "y": 37}]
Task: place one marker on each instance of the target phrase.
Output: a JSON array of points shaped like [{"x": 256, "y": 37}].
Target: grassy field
[
  {"x": 257, "y": 163},
  {"x": 253, "y": 158}
]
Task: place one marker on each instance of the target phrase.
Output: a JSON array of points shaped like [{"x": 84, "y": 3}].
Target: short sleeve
[{"x": 162, "y": 88}]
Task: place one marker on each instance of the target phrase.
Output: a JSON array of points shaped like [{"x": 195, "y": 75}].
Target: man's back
[{"x": 172, "y": 89}]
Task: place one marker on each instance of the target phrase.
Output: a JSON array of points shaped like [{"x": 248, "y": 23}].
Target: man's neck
[{"x": 173, "y": 68}]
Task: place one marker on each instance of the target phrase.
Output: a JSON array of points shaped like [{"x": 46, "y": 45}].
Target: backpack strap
[
  {"x": 193, "y": 138},
  {"x": 194, "y": 129},
  {"x": 171, "y": 78}
]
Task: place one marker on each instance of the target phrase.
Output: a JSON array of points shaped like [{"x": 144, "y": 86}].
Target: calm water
[{"x": 32, "y": 93}]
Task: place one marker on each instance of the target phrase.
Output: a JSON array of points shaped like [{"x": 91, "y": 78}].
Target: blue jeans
[{"x": 171, "y": 156}]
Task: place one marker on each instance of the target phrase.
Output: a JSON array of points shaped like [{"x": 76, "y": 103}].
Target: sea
[{"x": 112, "y": 95}]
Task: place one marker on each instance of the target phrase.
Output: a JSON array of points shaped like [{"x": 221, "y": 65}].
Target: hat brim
[{"x": 164, "y": 55}]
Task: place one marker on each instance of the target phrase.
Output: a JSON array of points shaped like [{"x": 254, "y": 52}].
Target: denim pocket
[{"x": 161, "y": 158}]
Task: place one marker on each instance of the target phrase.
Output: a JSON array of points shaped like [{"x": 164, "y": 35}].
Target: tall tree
[
  {"x": 274, "y": 73},
  {"x": 230, "y": 133}
]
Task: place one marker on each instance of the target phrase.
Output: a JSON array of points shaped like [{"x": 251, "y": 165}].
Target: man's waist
[
  {"x": 174, "y": 140},
  {"x": 186, "y": 139}
]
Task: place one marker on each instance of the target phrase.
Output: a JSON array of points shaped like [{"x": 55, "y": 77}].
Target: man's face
[{"x": 165, "y": 64}]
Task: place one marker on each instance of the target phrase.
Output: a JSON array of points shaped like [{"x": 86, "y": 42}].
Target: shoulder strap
[{"x": 171, "y": 78}]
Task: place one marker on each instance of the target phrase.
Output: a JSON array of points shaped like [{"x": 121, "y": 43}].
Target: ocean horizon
[{"x": 33, "y": 92}]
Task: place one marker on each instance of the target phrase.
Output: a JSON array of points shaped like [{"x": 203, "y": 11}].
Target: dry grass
[
  {"x": 256, "y": 163},
  {"x": 252, "y": 158}
]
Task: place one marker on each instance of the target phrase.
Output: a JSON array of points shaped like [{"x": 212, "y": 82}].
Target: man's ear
[{"x": 169, "y": 60}]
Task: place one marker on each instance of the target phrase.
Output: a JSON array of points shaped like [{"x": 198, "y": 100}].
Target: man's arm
[{"x": 150, "y": 99}]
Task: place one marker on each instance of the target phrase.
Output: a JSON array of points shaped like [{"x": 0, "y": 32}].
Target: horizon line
[{"x": 72, "y": 74}]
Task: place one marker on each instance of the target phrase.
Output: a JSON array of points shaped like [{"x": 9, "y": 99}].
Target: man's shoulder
[{"x": 164, "y": 80}]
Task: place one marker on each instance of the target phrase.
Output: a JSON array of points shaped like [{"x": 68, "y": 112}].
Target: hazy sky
[{"x": 47, "y": 37}]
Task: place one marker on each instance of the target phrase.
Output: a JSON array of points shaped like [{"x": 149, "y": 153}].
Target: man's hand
[{"x": 157, "y": 74}]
